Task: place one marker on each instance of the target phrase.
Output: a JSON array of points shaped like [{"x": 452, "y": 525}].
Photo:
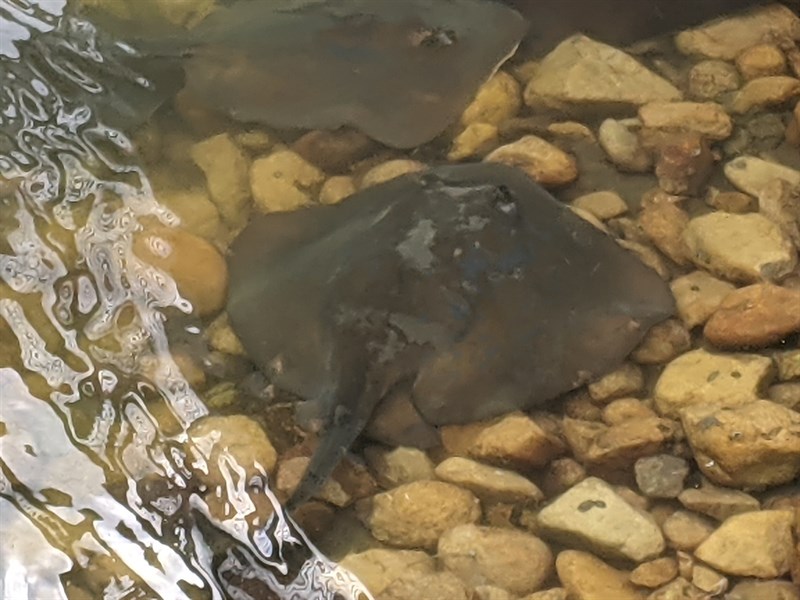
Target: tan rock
[
  {"x": 226, "y": 170},
  {"x": 751, "y": 174},
  {"x": 624, "y": 381},
  {"x": 197, "y": 214},
  {"x": 416, "y": 514},
  {"x": 624, "y": 409},
  {"x": 708, "y": 79},
  {"x": 757, "y": 544},
  {"x": 678, "y": 589},
  {"x": 551, "y": 594},
  {"x": 706, "y": 118},
  {"x": 497, "y": 100},
  {"x": 593, "y": 516},
  {"x": 603, "y": 205},
  {"x": 761, "y": 60},
  {"x": 623, "y": 147},
  {"x": 586, "y": 577},
  {"x": 699, "y": 377},
  {"x": 398, "y": 466},
  {"x": 662, "y": 343},
  {"x": 475, "y": 140},
  {"x": 390, "y": 169},
  {"x": 728, "y": 38},
  {"x": 788, "y": 364},
  {"x": 619, "y": 445},
  {"x": 754, "y": 316},
  {"x": 686, "y": 530},
  {"x": 426, "y": 586},
  {"x": 664, "y": 223},
  {"x": 378, "y": 568},
  {"x": 283, "y": 181},
  {"x": 256, "y": 141},
  {"x": 545, "y": 163},
  {"x": 717, "y": 502},
  {"x": 517, "y": 440},
  {"x": 765, "y": 91},
  {"x": 698, "y": 295},
  {"x": 492, "y": 556},
  {"x": 786, "y": 394},
  {"x": 655, "y": 573},
  {"x": 222, "y": 338},
  {"x": 488, "y": 483},
  {"x": 197, "y": 267},
  {"x": 752, "y": 446},
  {"x": 336, "y": 188},
  {"x": 561, "y": 474},
  {"x": 759, "y": 590},
  {"x": 779, "y": 201},
  {"x": 290, "y": 473},
  {"x": 734, "y": 202},
  {"x": 709, "y": 580},
  {"x": 745, "y": 248}
]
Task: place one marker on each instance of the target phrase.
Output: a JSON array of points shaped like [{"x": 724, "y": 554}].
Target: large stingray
[{"x": 469, "y": 286}]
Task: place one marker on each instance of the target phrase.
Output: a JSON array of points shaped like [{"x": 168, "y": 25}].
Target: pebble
[
  {"x": 491, "y": 592},
  {"x": 684, "y": 163},
  {"x": 788, "y": 364},
  {"x": 663, "y": 342},
  {"x": 545, "y": 163},
  {"x": 678, "y": 589},
  {"x": 390, "y": 169},
  {"x": 755, "y": 316},
  {"x": 581, "y": 71},
  {"x": 751, "y": 174},
  {"x": 727, "y": 38},
  {"x": 560, "y": 475},
  {"x": 624, "y": 409},
  {"x": 291, "y": 471},
  {"x": 489, "y": 483},
  {"x": 222, "y": 338},
  {"x": 551, "y": 594},
  {"x": 793, "y": 128},
  {"x": 734, "y": 202},
  {"x": 686, "y": 530},
  {"x": 493, "y": 556},
  {"x": 661, "y": 476},
  {"x": 708, "y": 79},
  {"x": 765, "y": 91},
  {"x": 475, "y": 140},
  {"x": 655, "y": 573},
  {"x": 718, "y": 502},
  {"x": 586, "y": 577},
  {"x": 664, "y": 223},
  {"x": 700, "y": 377},
  {"x": 706, "y": 118},
  {"x": 199, "y": 270},
  {"x": 619, "y": 445},
  {"x": 283, "y": 181},
  {"x": 254, "y": 140},
  {"x": 604, "y": 205},
  {"x": 623, "y": 147},
  {"x": 196, "y": 211},
  {"x": 779, "y": 201},
  {"x": 761, "y": 60},
  {"x": 752, "y": 446},
  {"x": 516, "y": 440},
  {"x": 786, "y": 394},
  {"x": 393, "y": 467},
  {"x": 755, "y": 544},
  {"x": 698, "y": 295},
  {"x": 416, "y": 514},
  {"x": 336, "y": 188},
  {"x": 497, "y": 100},
  {"x": 377, "y": 568},
  {"x": 746, "y": 248},
  {"x": 426, "y": 586},
  {"x": 761, "y": 590},
  {"x": 709, "y": 580},
  {"x": 333, "y": 151},
  {"x": 592, "y": 515},
  {"x": 226, "y": 169},
  {"x": 623, "y": 381}
]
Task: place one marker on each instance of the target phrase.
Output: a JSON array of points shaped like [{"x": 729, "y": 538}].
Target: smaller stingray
[
  {"x": 400, "y": 71},
  {"x": 469, "y": 288}
]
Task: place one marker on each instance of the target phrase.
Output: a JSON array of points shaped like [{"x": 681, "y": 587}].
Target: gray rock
[{"x": 661, "y": 476}]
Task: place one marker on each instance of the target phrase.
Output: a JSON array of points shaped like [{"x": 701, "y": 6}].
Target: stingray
[
  {"x": 400, "y": 71},
  {"x": 468, "y": 289}
]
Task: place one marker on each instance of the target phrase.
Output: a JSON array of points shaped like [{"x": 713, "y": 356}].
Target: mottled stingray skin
[
  {"x": 399, "y": 70},
  {"x": 470, "y": 285}
]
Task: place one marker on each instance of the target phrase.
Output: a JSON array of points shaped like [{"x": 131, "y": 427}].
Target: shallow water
[{"x": 94, "y": 409}]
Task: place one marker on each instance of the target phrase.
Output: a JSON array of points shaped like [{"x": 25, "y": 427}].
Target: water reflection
[{"x": 101, "y": 487}]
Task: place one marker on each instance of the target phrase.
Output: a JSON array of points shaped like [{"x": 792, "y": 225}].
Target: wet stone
[
  {"x": 698, "y": 295},
  {"x": 197, "y": 214},
  {"x": 788, "y": 364},
  {"x": 662, "y": 343},
  {"x": 684, "y": 162},
  {"x": 699, "y": 377},
  {"x": 717, "y": 502},
  {"x": 517, "y": 440},
  {"x": 226, "y": 170},
  {"x": 755, "y": 544},
  {"x": 655, "y": 573},
  {"x": 686, "y": 530},
  {"x": 544, "y": 162},
  {"x": 708, "y": 79},
  {"x": 661, "y": 476},
  {"x": 706, "y": 118},
  {"x": 560, "y": 475},
  {"x": 678, "y": 589},
  {"x": 336, "y": 188},
  {"x": 779, "y": 201},
  {"x": 759, "y": 590},
  {"x": 283, "y": 181},
  {"x": 389, "y": 170},
  {"x": 765, "y": 91},
  {"x": 493, "y": 556},
  {"x": 623, "y": 147},
  {"x": 378, "y": 568},
  {"x": 624, "y": 409},
  {"x": 754, "y": 316},
  {"x": 475, "y": 140},
  {"x": 497, "y": 100},
  {"x": 222, "y": 338},
  {"x": 551, "y": 594},
  {"x": 333, "y": 151},
  {"x": 586, "y": 577},
  {"x": 734, "y": 202},
  {"x": 624, "y": 381},
  {"x": 426, "y": 586},
  {"x": 488, "y": 483},
  {"x": 752, "y": 446},
  {"x": 709, "y": 580},
  {"x": 592, "y": 515},
  {"x": 786, "y": 394},
  {"x": 751, "y": 174},
  {"x": 416, "y": 514},
  {"x": 603, "y": 205},
  {"x": 761, "y": 60},
  {"x": 746, "y": 248},
  {"x": 398, "y": 466},
  {"x": 664, "y": 223},
  {"x": 490, "y": 592}
]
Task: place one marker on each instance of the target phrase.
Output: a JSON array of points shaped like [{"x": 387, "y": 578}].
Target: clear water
[{"x": 91, "y": 492}]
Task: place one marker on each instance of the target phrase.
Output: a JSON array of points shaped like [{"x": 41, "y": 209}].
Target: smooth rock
[
  {"x": 746, "y": 248},
  {"x": 750, "y": 174},
  {"x": 603, "y": 205},
  {"x": 661, "y": 476},
  {"x": 426, "y": 586},
  {"x": 727, "y": 38},
  {"x": 788, "y": 364},
  {"x": 516, "y": 440},
  {"x": 581, "y": 71},
  {"x": 765, "y": 91},
  {"x": 497, "y": 100},
  {"x": 545, "y": 163},
  {"x": 416, "y": 514},
  {"x": 756, "y": 544},
  {"x": 786, "y": 394},
  {"x": 663, "y": 342},
  {"x": 698, "y": 295},
  {"x": 664, "y": 223},
  {"x": 226, "y": 169},
  {"x": 623, "y": 147},
  {"x": 708, "y": 79},
  {"x": 709, "y": 580},
  {"x": 761, "y": 590},
  {"x": 488, "y": 483},
  {"x": 624, "y": 409},
  {"x": 551, "y": 594},
  {"x": 678, "y": 589},
  {"x": 336, "y": 188},
  {"x": 655, "y": 573},
  {"x": 197, "y": 213},
  {"x": 283, "y": 181},
  {"x": 475, "y": 140},
  {"x": 761, "y": 60},
  {"x": 752, "y": 446},
  {"x": 706, "y": 118},
  {"x": 686, "y": 530},
  {"x": 397, "y": 466},
  {"x": 718, "y": 502},
  {"x": 334, "y": 151},
  {"x": 592, "y": 515},
  {"x": 377, "y": 568},
  {"x": 735, "y": 202},
  {"x": 619, "y": 445},
  {"x": 586, "y": 577},
  {"x": 491, "y": 592},
  {"x": 624, "y": 381},
  {"x": 561, "y": 474},
  {"x": 700, "y": 377},
  {"x": 222, "y": 338},
  {"x": 389, "y": 170},
  {"x": 754, "y": 316},
  {"x": 493, "y": 556},
  {"x": 779, "y": 201}
]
